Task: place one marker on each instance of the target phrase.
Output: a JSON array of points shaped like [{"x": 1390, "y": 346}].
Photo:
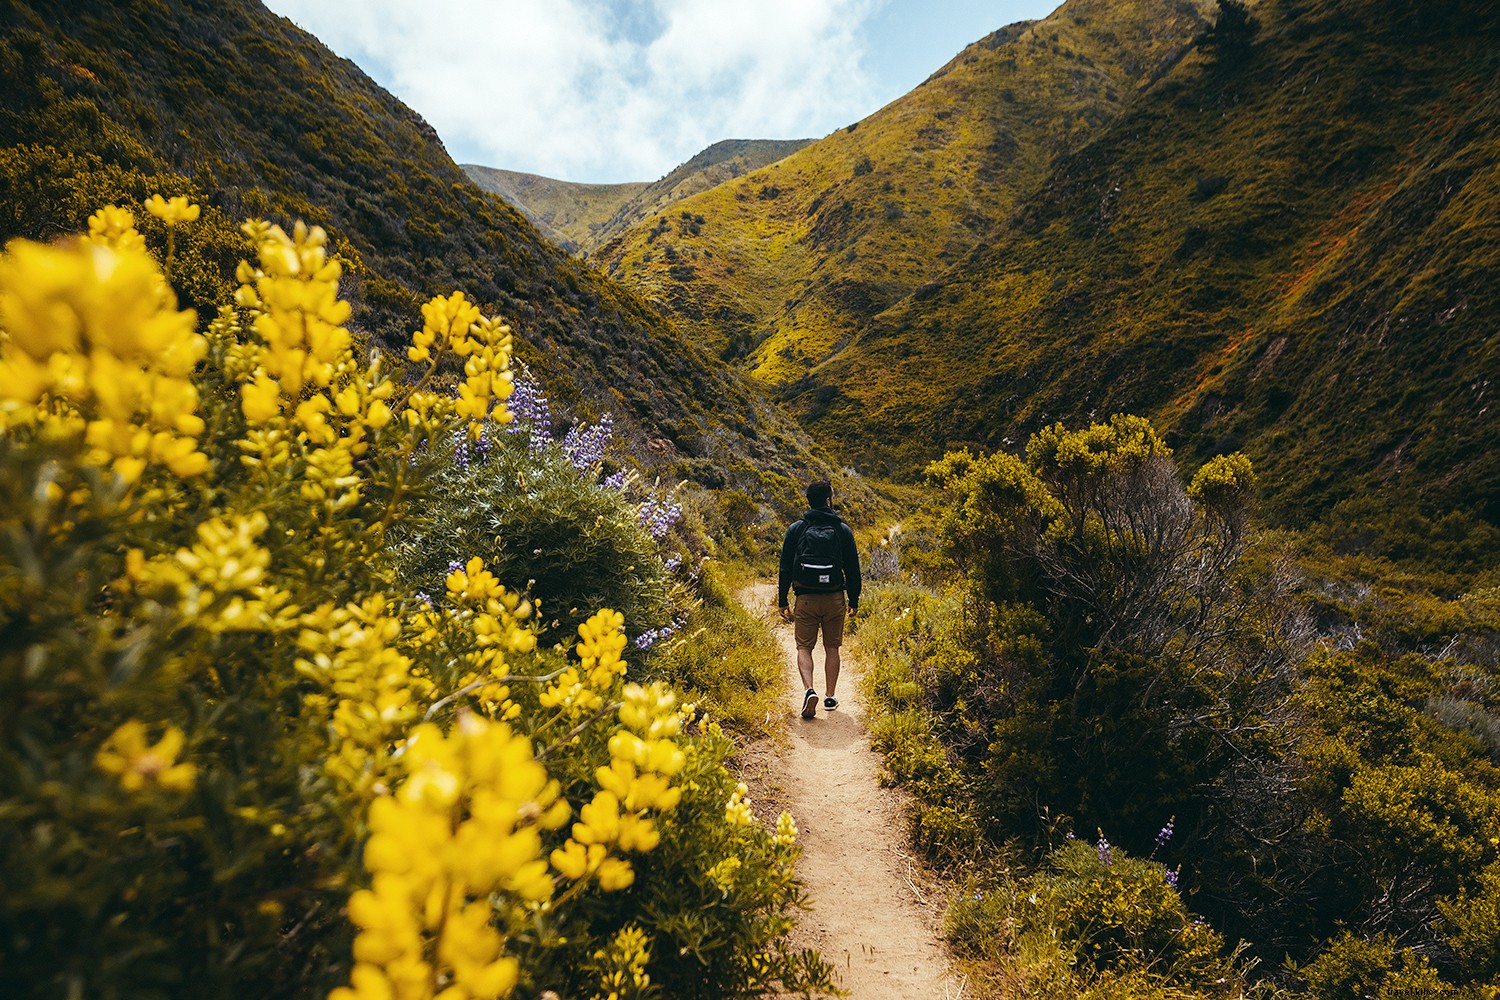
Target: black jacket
[{"x": 849, "y": 556}]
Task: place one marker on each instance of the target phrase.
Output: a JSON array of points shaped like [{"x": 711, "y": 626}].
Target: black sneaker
[
  {"x": 830, "y": 703},
  {"x": 809, "y": 704}
]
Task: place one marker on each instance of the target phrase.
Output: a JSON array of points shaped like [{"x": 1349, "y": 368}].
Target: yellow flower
[
  {"x": 293, "y": 294},
  {"x": 129, "y": 755},
  {"x": 737, "y": 811},
  {"x": 615, "y": 874},
  {"x": 723, "y": 873},
  {"x": 97, "y": 329},
  {"x": 173, "y": 211},
  {"x": 456, "y": 857},
  {"x": 113, "y": 226},
  {"x": 786, "y": 830},
  {"x": 260, "y": 398}
]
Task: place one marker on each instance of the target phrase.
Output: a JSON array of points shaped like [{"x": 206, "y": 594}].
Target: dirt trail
[{"x": 872, "y": 916}]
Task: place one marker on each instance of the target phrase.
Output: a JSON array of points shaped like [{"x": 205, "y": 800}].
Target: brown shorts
[{"x": 820, "y": 611}]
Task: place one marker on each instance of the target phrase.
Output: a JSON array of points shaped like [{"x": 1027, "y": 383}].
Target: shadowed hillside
[
  {"x": 788, "y": 263},
  {"x": 1288, "y": 246},
  {"x": 580, "y": 217},
  {"x": 237, "y": 108}
]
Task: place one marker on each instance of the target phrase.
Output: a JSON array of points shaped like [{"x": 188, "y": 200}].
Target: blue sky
[{"x": 620, "y": 90}]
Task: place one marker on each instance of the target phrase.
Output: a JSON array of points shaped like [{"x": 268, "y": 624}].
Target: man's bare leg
[
  {"x": 831, "y": 664},
  {"x": 805, "y": 668}
]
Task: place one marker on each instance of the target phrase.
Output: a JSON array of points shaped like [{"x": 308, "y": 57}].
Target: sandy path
[{"x": 872, "y": 917}]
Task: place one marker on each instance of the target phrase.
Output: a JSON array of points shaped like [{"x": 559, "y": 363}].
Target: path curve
[{"x": 872, "y": 917}]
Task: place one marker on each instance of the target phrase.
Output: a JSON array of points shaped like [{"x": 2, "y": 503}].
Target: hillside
[
  {"x": 789, "y": 262},
  {"x": 1289, "y": 249},
  {"x": 228, "y": 103},
  {"x": 565, "y": 212},
  {"x": 581, "y": 217}
]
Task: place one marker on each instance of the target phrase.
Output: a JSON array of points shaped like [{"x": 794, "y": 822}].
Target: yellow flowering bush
[{"x": 241, "y": 752}]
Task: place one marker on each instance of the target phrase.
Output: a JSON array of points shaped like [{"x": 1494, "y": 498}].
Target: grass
[{"x": 729, "y": 662}]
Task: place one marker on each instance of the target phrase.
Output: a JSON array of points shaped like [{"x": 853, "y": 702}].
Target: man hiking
[{"x": 819, "y": 561}]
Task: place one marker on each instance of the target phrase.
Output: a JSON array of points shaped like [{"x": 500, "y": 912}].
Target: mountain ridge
[
  {"x": 794, "y": 258},
  {"x": 580, "y": 217}
]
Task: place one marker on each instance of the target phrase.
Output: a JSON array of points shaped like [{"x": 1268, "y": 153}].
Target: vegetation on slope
[
  {"x": 104, "y": 102},
  {"x": 1284, "y": 246},
  {"x": 1299, "y": 746},
  {"x": 788, "y": 263},
  {"x": 581, "y": 217}
]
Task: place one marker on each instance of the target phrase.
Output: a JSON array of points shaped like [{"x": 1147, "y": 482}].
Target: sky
[{"x": 605, "y": 91}]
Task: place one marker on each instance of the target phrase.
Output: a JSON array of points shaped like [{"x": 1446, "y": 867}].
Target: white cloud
[{"x": 566, "y": 89}]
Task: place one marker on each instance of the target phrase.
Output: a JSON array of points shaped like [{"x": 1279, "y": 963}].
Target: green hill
[
  {"x": 1289, "y": 248},
  {"x": 789, "y": 262},
  {"x": 110, "y": 102},
  {"x": 581, "y": 217}
]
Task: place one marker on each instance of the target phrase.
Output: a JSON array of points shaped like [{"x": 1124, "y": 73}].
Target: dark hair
[{"x": 819, "y": 493}]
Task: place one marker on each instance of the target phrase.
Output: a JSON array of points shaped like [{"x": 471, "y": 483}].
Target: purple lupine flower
[
  {"x": 657, "y": 516},
  {"x": 461, "y": 454},
  {"x": 646, "y": 639},
  {"x": 1171, "y": 874},
  {"x": 584, "y": 445},
  {"x": 1105, "y": 855},
  {"x": 1166, "y": 833},
  {"x": 454, "y": 565},
  {"x": 614, "y": 482},
  {"x": 423, "y": 597},
  {"x": 529, "y": 406},
  {"x": 671, "y": 563}
]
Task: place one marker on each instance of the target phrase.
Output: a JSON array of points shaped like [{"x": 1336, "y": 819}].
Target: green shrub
[
  {"x": 1120, "y": 914},
  {"x": 1375, "y": 967},
  {"x": 725, "y": 660},
  {"x": 1089, "y": 923},
  {"x": 572, "y": 543},
  {"x": 1102, "y": 660}
]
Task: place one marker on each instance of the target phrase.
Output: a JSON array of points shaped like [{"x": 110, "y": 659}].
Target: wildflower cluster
[
  {"x": 584, "y": 444},
  {"x": 95, "y": 351},
  {"x": 658, "y": 514},
  {"x": 637, "y": 782},
  {"x": 494, "y": 614},
  {"x": 652, "y": 636},
  {"x": 310, "y": 410},
  {"x": 367, "y": 687},
  {"x": 533, "y": 414},
  {"x": 456, "y": 325},
  {"x": 470, "y": 450},
  {"x": 623, "y": 965},
  {"x": 457, "y": 844},
  {"x": 220, "y": 581},
  {"x": 230, "y": 698},
  {"x": 581, "y": 689}
]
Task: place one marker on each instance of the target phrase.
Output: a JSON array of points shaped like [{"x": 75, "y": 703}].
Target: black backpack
[{"x": 818, "y": 561}]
